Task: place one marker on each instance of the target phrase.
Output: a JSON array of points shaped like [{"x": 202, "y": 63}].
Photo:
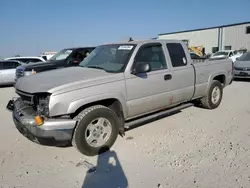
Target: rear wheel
[
  {"x": 214, "y": 96},
  {"x": 96, "y": 130}
]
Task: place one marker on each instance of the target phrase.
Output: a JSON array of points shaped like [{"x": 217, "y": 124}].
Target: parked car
[
  {"x": 7, "y": 71},
  {"x": 65, "y": 58},
  {"x": 27, "y": 59},
  {"x": 47, "y": 55},
  {"x": 242, "y": 66},
  {"x": 236, "y": 55},
  {"x": 223, "y": 54},
  {"x": 116, "y": 86}
]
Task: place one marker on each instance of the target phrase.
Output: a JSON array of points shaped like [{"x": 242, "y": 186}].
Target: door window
[
  {"x": 76, "y": 57},
  {"x": 9, "y": 65},
  {"x": 177, "y": 54},
  {"x": 153, "y": 55}
]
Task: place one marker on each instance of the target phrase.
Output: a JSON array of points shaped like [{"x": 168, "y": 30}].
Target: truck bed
[{"x": 207, "y": 70}]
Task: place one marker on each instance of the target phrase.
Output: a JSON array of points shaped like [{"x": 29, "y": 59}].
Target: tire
[
  {"x": 85, "y": 119},
  {"x": 207, "y": 102}
]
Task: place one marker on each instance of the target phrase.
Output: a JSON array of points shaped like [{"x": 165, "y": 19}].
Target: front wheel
[
  {"x": 96, "y": 130},
  {"x": 214, "y": 96}
]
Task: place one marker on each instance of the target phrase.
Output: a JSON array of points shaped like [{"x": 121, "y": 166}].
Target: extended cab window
[
  {"x": 153, "y": 55},
  {"x": 177, "y": 54}
]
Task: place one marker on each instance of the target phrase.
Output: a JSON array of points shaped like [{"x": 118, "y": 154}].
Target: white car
[
  {"x": 46, "y": 57},
  {"x": 27, "y": 59},
  {"x": 236, "y": 55},
  {"x": 223, "y": 54},
  {"x": 8, "y": 71}
]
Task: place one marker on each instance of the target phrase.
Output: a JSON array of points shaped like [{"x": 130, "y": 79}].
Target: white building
[{"x": 225, "y": 37}]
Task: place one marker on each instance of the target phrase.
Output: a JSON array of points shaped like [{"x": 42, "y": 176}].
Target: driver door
[{"x": 149, "y": 91}]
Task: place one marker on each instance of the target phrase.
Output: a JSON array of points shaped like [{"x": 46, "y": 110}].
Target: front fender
[{"x": 75, "y": 105}]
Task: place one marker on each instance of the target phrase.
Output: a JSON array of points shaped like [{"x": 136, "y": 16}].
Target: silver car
[
  {"x": 8, "y": 71},
  {"x": 242, "y": 66}
]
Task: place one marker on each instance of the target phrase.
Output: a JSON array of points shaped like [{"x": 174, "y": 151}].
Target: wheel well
[
  {"x": 111, "y": 103},
  {"x": 221, "y": 79}
]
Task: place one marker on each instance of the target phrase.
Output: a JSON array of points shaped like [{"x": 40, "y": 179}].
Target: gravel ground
[{"x": 194, "y": 148}]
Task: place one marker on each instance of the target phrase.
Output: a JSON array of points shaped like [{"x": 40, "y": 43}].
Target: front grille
[
  {"x": 242, "y": 68},
  {"x": 26, "y": 97},
  {"x": 19, "y": 73}
]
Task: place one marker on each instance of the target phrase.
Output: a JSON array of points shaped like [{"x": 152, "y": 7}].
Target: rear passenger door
[
  {"x": 149, "y": 91},
  {"x": 183, "y": 75}
]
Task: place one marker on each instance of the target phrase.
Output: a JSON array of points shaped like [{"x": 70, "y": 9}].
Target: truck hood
[
  {"x": 39, "y": 67},
  {"x": 64, "y": 80},
  {"x": 242, "y": 64}
]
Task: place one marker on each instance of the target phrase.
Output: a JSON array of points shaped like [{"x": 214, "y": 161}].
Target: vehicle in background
[
  {"x": 27, "y": 59},
  {"x": 222, "y": 54},
  {"x": 237, "y": 54},
  {"x": 47, "y": 55},
  {"x": 117, "y": 86},
  {"x": 65, "y": 58},
  {"x": 8, "y": 71},
  {"x": 242, "y": 66}
]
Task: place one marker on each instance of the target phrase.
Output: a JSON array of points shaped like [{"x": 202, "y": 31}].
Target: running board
[{"x": 157, "y": 115}]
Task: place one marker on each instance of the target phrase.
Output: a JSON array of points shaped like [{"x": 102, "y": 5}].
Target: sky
[{"x": 28, "y": 27}]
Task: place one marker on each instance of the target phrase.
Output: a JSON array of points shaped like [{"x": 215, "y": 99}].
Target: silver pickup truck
[{"x": 117, "y": 86}]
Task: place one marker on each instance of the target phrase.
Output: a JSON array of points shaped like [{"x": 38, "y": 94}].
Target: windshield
[
  {"x": 220, "y": 53},
  {"x": 63, "y": 54},
  {"x": 244, "y": 57},
  {"x": 111, "y": 58}
]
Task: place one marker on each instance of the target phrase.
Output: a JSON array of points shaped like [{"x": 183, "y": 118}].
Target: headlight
[{"x": 43, "y": 105}]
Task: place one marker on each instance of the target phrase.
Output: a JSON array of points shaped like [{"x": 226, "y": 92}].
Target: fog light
[{"x": 38, "y": 120}]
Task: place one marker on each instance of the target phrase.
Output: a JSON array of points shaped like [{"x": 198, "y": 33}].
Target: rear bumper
[{"x": 52, "y": 132}]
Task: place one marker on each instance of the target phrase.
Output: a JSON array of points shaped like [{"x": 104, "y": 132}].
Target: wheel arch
[
  {"x": 221, "y": 77},
  {"x": 113, "y": 103}
]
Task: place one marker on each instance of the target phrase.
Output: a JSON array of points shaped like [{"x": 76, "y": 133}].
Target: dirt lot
[{"x": 194, "y": 148}]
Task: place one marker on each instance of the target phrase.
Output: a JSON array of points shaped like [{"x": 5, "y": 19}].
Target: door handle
[{"x": 167, "y": 77}]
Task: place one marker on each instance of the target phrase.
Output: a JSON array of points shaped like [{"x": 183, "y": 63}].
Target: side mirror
[
  {"x": 237, "y": 58},
  {"x": 140, "y": 67}
]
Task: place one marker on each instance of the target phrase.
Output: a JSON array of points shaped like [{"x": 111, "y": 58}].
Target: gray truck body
[{"x": 73, "y": 88}]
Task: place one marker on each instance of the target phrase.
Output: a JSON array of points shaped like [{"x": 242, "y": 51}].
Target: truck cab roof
[{"x": 147, "y": 41}]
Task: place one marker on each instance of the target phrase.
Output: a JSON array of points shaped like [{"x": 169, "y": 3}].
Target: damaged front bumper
[{"x": 54, "y": 132}]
